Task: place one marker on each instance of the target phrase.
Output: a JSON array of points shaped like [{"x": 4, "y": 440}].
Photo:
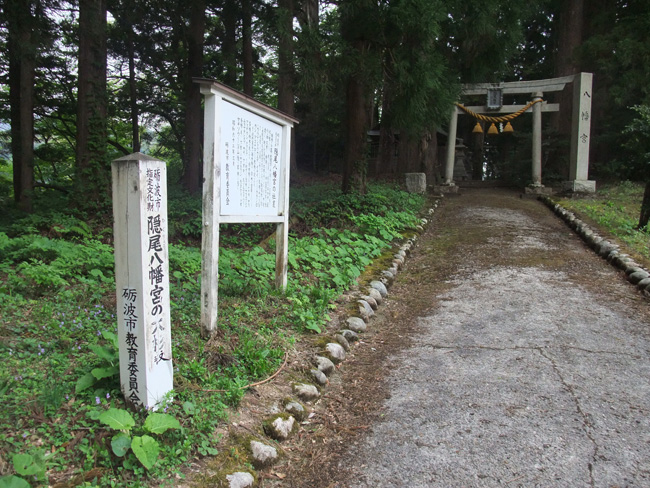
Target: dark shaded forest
[{"x": 86, "y": 82}]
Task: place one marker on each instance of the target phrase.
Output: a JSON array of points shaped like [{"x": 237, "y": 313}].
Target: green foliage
[
  {"x": 638, "y": 142},
  {"x": 59, "y": 376},
  {"x": 616, "y": 208},
  {"x": 145, "y": 448},
  {"x": 30, "y": 466}
]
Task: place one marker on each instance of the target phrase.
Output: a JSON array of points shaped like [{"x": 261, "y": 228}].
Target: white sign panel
[{"x": 250, "y": 163}]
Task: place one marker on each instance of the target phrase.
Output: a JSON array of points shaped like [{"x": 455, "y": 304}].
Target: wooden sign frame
[{"x": 243, "y": 135}]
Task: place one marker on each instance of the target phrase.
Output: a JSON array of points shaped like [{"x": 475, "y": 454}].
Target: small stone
[
  {"x": 419, "y": 228},
  {"x": 356, "y": 324},
  {"x": 263, "y": 455},
  {"x": 240, "y": 480},
  {"x": 370, "y": 301},
  {"x": 594, "y": 241},
  {"x": 637, "y": 276},
  {"x": 325, "y": 365},
  {"x": 343, "y": 341},
  {"x": 618, "y": 261},
  {"x": 319, "y": 376},
  {"x": 397, "y": 264},
  {"x": 376, "y": 295},
  {"x": 388, "y": 275},
  {"x": 401, "y": 254},
  {"x": 296, "y": 409},
  {"x": 604, "y": 248},
  {"x": 350, "y": 335},
  {"x": 394, "y": 269},
  {"x": 643, "y": 283},
  {"x": 631, "y": 267},
  {"x": 366, "y": 306},
  {"x": 363, "y": 313},
  {"x": 281, "y": 428},
  {"x": 424, "y": 221},
  {"x": 335, "y": 352},
  {"x": 305, "y": 392},
  {"x": 380, "y": 287}
]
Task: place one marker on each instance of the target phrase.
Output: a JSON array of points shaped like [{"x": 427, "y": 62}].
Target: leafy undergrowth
[
  {"x": 615, "y": 208},
  {"x": 62, "y": 415}
]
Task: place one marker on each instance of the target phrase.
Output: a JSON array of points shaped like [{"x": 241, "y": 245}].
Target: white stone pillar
[
  {"x": 451, "y": 148},
  {"x": 537, "y": 141},
  {"x": 580, "y": 135},
  {"x": 142, "y": 279}
]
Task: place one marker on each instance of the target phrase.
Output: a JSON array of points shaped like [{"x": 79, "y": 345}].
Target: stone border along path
[
  {"x": 609, "y": 251},
  {"x": 281, "y": 426}
]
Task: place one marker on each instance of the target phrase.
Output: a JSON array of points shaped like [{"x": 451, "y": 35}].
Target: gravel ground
[{"x": 508, "y": 355}]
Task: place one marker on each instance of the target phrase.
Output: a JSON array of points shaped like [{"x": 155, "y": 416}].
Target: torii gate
[{"x": 580, "y": 131}]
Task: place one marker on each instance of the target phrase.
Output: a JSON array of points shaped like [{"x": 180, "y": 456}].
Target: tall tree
[
  {"x": 247, "y": 45},
  {"x": 123, "y": 40},
  {"x": 285, "y": 16},
  {"x": 570, "y": 22},
  {"x": 360, "y": 24},
  {"x": 230, "y": 15},
  {"x": 22, "y": 47},
  {"x": 193, "y": 135},
  {"x": 92, "y": 168},
  {"x": 418, "y": 87}
]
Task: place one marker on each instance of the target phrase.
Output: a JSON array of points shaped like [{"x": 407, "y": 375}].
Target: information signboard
[
  {"x": 246, "y": 154},
  {"x": 250, "y": 159}
]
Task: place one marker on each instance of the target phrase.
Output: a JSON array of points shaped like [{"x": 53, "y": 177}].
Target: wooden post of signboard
[
  {"x": 142, "y": 279},
  {"x": 246, "y": 154}
]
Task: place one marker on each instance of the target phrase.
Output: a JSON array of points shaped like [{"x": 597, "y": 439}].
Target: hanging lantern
[
  {"x": 477, "y": 128},
  {"x": 493, "y": 130},
  {"x": 508, "y": 128}
]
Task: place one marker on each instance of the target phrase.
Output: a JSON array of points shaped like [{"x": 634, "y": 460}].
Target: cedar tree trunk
[
  {"x": 354, "y": 174},
  {"x": 192, "y": 153},
  {"x": 645, "y": 207},
  {"x": 285, "y": 69},
  {"x": 22, "y": 50},
  {"x": 92, "y": 170},
  {"x": 247, "y": 41}
]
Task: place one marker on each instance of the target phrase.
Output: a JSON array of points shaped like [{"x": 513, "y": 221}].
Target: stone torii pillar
[
  {"x": 451, "y": 151},
  {"x": 537, "y": 141}
]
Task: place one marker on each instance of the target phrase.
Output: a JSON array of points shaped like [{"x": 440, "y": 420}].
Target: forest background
[{"x": 83, "y": 83}]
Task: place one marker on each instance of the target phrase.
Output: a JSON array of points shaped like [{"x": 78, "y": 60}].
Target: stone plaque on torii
[{"x": 580, "y": 126}]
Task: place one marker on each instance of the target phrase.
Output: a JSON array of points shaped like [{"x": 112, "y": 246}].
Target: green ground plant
[
  {"x": 615, "y": 208},
  {"x": 58, "y": 320}
]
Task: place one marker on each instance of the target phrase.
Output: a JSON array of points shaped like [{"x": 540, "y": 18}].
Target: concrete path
[{"x": 530, "y": 366}]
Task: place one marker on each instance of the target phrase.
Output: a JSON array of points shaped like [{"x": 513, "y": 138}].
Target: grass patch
[
  {"x": 58, "y": 316},
  {"x": 615, "y": 209}
]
